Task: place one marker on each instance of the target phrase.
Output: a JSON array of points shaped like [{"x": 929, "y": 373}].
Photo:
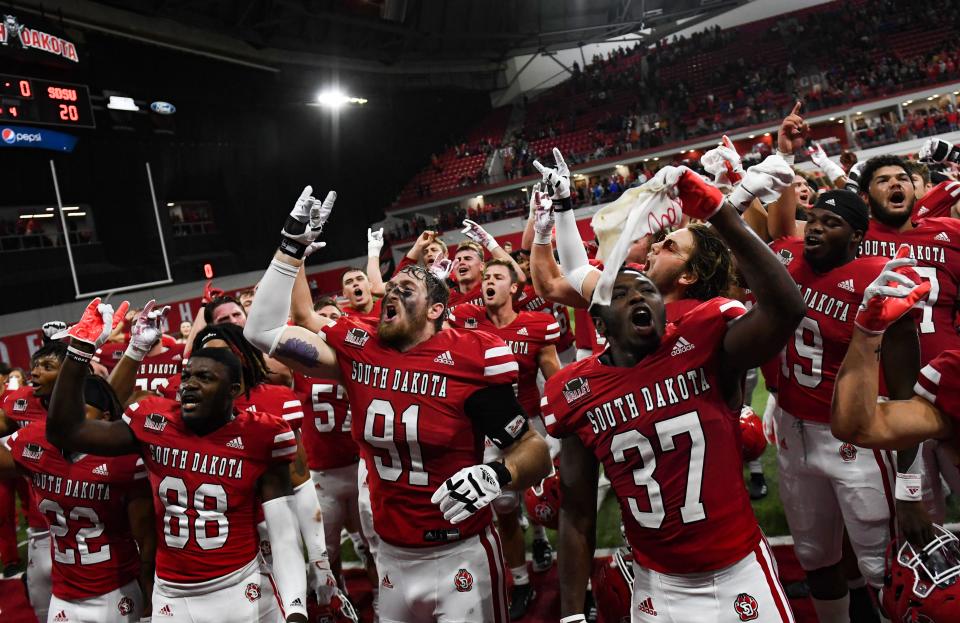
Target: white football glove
[
  {"x": 466, "y": 492},
  {"x": 146, "y": 330},
  {"x": 441, "y": 268},
  {"x": 374, "y": 242},
  {"x": 830, "y": 168},
  {"x": 474, "y": 232},
  {"x": 305, "y": 222},
  {"x": 320, "y": 579},
  {"x": 934, "y": 150},
  {"x": 313, "y": 247},
  {"x": 556, "y": 179},
  {"x": 764, "y": 181},
  {"x": 341, "y": 604},
  {"x": 723, "y": 163},
  {"x": 53, "y": 327},
  {"x": 544, "y": 217}
]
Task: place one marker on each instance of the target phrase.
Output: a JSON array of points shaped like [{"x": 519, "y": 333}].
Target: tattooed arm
[{"x": 267, "y": 327}]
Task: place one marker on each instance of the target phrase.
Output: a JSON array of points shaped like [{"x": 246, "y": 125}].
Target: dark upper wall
[{"x": 244, "y": 140}]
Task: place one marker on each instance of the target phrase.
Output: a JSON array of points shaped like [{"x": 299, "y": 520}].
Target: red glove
[
  {"x": 890, "y": 296},
  {"x": 210, "y": 293},
  {"x": 96, "y": 323},
  {"x": 698, "y": 198}
]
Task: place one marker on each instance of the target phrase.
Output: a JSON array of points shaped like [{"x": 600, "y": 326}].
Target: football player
[
  {"x": 532, "y": 337},
  {"x": 208, "y": 465},
  {"x": 828, "y": 486},
  {"x": 659, "y": 409},
  {"x": 886, "y": 186},
  {"x": 422, "y": 399}
]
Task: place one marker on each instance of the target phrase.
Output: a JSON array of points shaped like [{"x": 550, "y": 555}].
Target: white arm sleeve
[
  {"x": 307, "y": 508},
  {"x": 569, "y": 245},
  {"x": 288, "y": 567},
  {"x": 271, "y": 307}
]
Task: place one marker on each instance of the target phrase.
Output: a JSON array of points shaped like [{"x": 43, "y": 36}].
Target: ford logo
[{"x": 163, "y": 108}]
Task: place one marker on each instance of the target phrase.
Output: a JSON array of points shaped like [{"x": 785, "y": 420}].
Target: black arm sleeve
[{"x": 497, "y": 413}]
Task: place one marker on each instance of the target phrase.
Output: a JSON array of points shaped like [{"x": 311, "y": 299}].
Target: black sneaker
[
  {"x": 590, "y": 607},
  {"x": 521, "y": 595},
  {"x": 757, "y": 487},
  {"x": 542, "y": 555}
]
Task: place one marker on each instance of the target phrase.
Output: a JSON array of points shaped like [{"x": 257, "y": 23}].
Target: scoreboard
[{"x": 44, "y": 102}]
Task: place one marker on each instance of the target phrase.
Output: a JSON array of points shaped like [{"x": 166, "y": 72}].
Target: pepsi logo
[{"x": 8, "y": 135}]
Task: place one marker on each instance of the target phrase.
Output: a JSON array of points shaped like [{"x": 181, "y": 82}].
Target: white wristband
[
  {"x": 909, "y": 488},
  {"x": 574, "y": 618},
  {"x": 539, "y": 238},
  {"x": 788, "y": 157}
]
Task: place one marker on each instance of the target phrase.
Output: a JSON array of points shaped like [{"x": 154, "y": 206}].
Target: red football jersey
[
  {"x": 21, "y": 406},
  {"x": 529, "y": 300},
  {"x": 937, "y": 202},
  {"x": 153, "y": 371},
  {"x": 813, "y": 356},
  {"x": 84, "y": 501},
  {"x": 939, "y": 383},
  {"x": 371, "y": 316},
  {"x": 526, "y": 336},
  {"x": 326, "y": 434},
  {"x": 274, "y": 400},
  {"x": 410, "y": 424},
  {"x": 935, "y": 243},
  {"x": 474, "y": 296},
  {"x": 668, "y": 442},
  {"x": 205, "y": 487}
]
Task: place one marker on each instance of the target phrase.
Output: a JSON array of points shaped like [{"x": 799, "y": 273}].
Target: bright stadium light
[{"x": 334, "y": 98}]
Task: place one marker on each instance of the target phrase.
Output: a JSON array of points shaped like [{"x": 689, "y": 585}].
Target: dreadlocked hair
[
  {"x": 254, "y": 368},
  {"x": 711, "y": 262}
]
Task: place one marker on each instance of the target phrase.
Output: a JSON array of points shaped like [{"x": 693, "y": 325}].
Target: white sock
[
  {"x": 539, "y": 532},
  {"x": 756, "y": 467},
  {"x": 520, "y": 575},
  {"x": 832, "y": 610}
]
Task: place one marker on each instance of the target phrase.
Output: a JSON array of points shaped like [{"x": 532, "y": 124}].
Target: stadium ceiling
[{"x": 463, "y": 42}]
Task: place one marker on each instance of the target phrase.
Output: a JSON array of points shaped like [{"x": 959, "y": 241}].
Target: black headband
[{"x": 846, "y": 205}]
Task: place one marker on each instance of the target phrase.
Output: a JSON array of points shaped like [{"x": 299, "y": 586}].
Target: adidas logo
[
  {"x": 236, "y": 443},
  {"x": 444, "y": 358},
  {"x": 942, "y": 236},
  {"x": 386, "y": 583},
  {"x": 165, "y": 611},
  {"x": 846, "y": 284},
  {"x": 831, "y": 202},
  {"x": 296, "y": 603},
  {"x": 681, "y": 347},
  {"x": 61, "y": 617},
  {"x": 523, "y": 331},
  {"x": 101, "y": 470},
  {"x": 923, "y": 210},
  {"x": 646, "y": 606}
]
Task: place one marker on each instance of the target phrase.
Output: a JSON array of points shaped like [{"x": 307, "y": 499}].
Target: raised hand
[
  {"x": 544, "y": 218},
  {"x": 441, "y": 267},
  {"x": 374, "y": 242},
  {"x": 723, "y": 163},
  {"x": 792, "y": 132},
  {"x": 556, "y": 179},
  {"x": 305, "y": 222},
  {"x": 478, "y": 234},
  {"x": 820, "y": 158},
  {"x": 146, "y": 330},
  {"x": 934, "y": 150},
  {"x": 764, "y": 181},
  {"x": 95, "y": 325},
  {"x": 210, "y": 293},
  {"x": 890, "y": 295}
]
